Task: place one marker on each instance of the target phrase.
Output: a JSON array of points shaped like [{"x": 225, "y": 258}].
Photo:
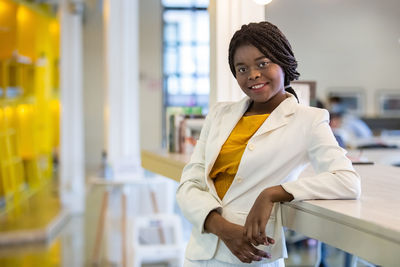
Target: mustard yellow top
[{"x": 227, "y": 163}]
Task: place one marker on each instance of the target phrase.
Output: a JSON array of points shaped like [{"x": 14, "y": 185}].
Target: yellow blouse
[{"x": 227, "y": 163}]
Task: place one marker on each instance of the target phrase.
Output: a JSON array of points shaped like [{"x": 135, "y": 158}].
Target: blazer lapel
[
  {"x": 230, "y": 119},
  {"x": 279, "y": 117},
  {"x": 226, "y": 123}
]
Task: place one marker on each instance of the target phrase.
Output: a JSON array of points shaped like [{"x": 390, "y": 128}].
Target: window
[{"x": 186, "y": 57}]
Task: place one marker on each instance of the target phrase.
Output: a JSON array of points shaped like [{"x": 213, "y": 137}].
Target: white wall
[
  {"x": 341, "y": 43},
  {"x": 150, "y": 69}
]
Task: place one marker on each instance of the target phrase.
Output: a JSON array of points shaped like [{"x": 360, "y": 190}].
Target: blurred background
[{"x": 85, "y": 85}]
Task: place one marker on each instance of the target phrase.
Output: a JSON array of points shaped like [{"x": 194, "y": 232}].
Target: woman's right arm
[
  {"x": 193, "y": 197},
  {"x": 202, "y": 209}
]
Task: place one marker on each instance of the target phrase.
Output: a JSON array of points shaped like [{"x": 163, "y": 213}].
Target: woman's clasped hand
[{"x": 240, "y": 246}]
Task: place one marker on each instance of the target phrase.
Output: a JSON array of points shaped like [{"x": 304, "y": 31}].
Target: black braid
[{"x": 271, "y": 42}]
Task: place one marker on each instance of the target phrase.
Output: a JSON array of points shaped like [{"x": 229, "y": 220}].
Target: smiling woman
[{"x": 233, "y": 198}]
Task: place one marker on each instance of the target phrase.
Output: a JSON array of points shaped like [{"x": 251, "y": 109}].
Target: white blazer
[{"x": 290, "y": 138}]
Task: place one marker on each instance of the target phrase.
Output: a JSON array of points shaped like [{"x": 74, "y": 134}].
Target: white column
[
  {"x": 121, "y": 24},
  {"x": 226, "y": 17},
  {"x": 72, "y": 149}
]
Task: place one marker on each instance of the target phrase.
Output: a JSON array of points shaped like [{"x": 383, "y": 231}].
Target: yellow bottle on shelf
[
  {"x": 10, "y": 164},
  {"x": 15, "y": 160},
  {"x": 3, "y": 185}
]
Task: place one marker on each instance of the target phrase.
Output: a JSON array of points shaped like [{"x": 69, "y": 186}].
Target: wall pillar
[
  {"x": 226, "y": 16},
  {"x": 121, "y": 22},
  {"x": 72, "y": 174}
]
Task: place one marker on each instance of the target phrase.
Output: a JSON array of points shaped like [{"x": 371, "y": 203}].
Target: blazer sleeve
[
  {"x": 335, "y": 176},
  {"x": 193, "y": 196}
]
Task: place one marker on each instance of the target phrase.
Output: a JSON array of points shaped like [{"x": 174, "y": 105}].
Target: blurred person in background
[{"x": 351, "y": 129}]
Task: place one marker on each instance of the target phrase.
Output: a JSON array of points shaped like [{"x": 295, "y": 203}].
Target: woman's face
[{"x": 257, "y": 76}]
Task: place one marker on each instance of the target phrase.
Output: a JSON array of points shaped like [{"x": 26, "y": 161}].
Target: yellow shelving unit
[
  {"x": 29, "y": 105},
  {"x": 30, "y": 208}
]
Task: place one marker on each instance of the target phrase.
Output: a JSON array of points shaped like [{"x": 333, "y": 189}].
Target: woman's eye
[
  {"x": 241, "y": 70},
  {"x": 263, "y": 64}
]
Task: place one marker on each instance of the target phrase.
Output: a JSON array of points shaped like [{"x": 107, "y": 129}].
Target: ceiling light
[{"x": 263, "y": 2}]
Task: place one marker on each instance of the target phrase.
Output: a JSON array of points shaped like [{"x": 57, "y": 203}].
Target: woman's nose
[{"x": 254, "y": 74}]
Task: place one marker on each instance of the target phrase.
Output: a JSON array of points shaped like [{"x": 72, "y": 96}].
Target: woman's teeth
[{"x": 257, "y": 86}]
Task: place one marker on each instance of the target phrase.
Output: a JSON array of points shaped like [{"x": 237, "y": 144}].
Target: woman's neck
[{"x": 256, "y": 108}]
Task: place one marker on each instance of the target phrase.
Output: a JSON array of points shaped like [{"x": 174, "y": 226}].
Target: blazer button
[
  {"x": 251, "y": 147},
  {"x": 239, "y": 180}
]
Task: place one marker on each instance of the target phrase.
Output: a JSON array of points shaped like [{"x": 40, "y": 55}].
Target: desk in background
[{"x": 382, "y": 156}]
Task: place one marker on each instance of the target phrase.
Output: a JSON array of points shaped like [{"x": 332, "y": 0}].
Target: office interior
[{"x": 87, "y": 88}]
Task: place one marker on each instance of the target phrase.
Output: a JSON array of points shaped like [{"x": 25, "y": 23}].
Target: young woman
[{"x": 250, "y": 154}]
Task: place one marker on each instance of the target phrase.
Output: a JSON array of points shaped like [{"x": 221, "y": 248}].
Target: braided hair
[{"x": 271, "y": 42}]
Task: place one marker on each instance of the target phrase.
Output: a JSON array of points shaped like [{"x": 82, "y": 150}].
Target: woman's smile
[{"x": 258, "y": 87}]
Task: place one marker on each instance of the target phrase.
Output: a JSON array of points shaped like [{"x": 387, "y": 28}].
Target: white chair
[{"x": 169, "y": 247}]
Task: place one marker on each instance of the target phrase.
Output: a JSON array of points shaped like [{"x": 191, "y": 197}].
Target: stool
[
  {"x": 170, "y": 248},
  {"x": 154, "y": 219}
]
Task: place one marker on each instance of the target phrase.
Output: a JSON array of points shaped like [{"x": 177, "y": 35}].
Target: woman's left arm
[
  {"x": 335, "y": 179},
  {"x": 335, "y": 176}
]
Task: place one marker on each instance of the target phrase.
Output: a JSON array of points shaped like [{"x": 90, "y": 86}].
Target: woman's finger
[
  {"x": 245, "y": 229},
  {"x": 243, "y": 258},
  {"x": 259, "y": 240},
  {"x": 255, "y": 234},
  {"x": 270, "y": 240},
  {"x": 249, "y": 233},
  {"x": 260, "y": 253},
  {"x": 263, "y": 236},
  {"x": 252, "y": 253}
]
